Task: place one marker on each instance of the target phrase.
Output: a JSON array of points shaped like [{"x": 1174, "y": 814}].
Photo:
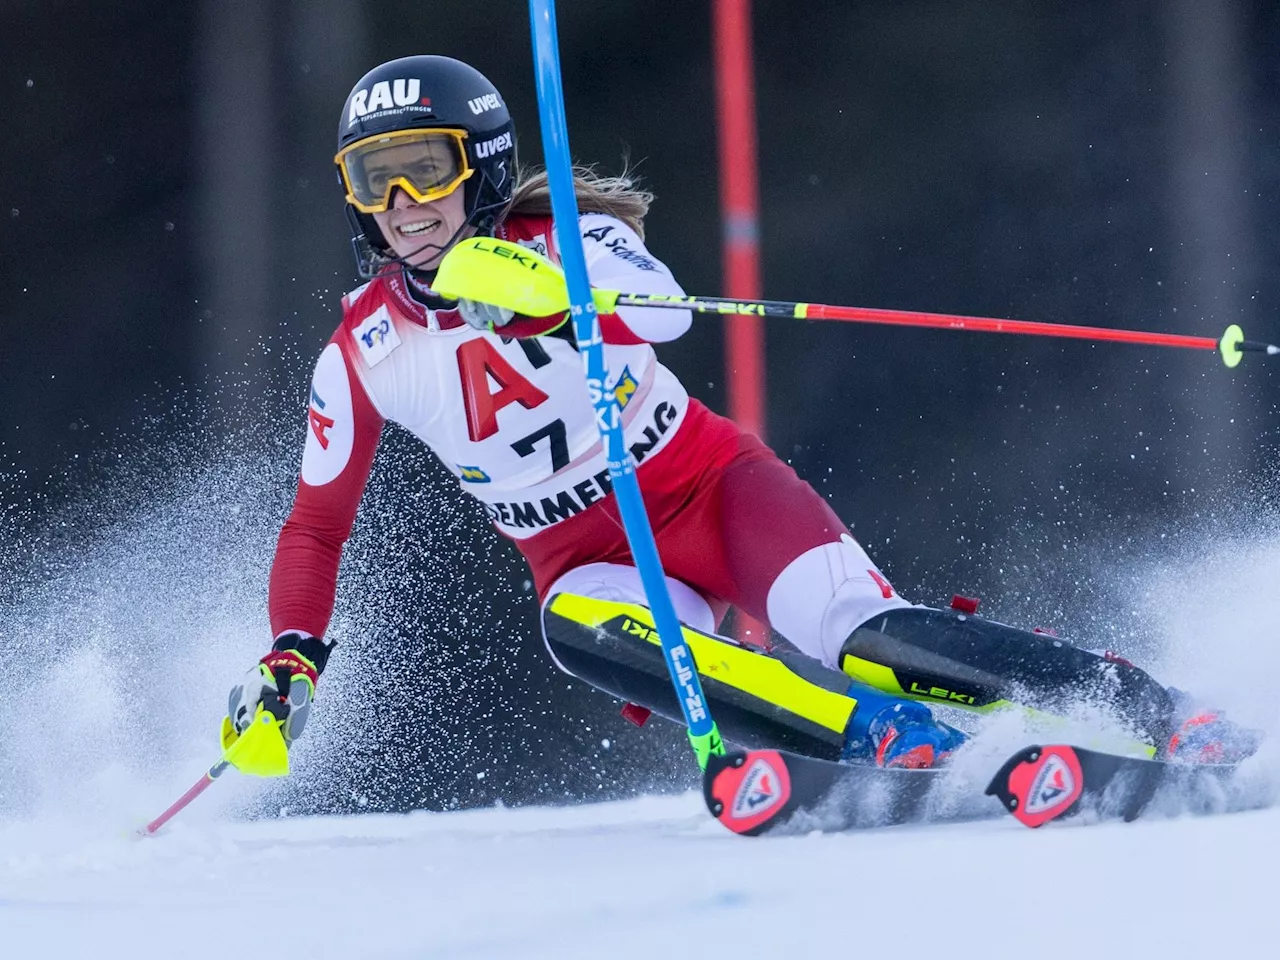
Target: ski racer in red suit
[{"x": 427, "y": 157}]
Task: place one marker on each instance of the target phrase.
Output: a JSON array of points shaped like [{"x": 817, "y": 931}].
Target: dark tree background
[{"x": 173, "y": 229}]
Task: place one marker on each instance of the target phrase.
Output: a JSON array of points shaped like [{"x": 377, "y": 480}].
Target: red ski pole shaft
[
  {"x": 199, "y": 787},
  {"x": 259, "y": 750},
  {"x": 1231, "y": 344},
  {"x": 947, "y": 321}
]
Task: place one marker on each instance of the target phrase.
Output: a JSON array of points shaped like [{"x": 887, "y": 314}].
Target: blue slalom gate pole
[{"x": 703, "y": 734}]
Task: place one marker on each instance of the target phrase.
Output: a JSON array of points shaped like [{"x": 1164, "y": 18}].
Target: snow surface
[
  {"x": 606, "y": 880},
  {"x": 92, "y": 744}
]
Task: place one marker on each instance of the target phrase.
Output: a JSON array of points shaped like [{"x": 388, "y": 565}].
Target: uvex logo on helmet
[
  {"x": 489, "y": 101},
  {"x": 493, "y": 147},
  {"x": 386, "y": 95}
]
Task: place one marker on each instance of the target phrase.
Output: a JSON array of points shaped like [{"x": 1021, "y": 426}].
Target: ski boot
[
  {"x": 892, "y": 732},
  {"x": 1206, "y": 736}
]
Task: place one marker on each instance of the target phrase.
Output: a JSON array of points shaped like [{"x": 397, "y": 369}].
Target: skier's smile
[{"x": 409, "y": 227}]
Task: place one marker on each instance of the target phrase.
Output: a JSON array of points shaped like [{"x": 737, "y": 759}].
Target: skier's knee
[
  {"x": 822, "y": 595},
  {"x": 621, "y": 583}
]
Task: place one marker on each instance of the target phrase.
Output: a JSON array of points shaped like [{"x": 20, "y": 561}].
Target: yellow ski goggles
[{"x": 425, "y": 164}]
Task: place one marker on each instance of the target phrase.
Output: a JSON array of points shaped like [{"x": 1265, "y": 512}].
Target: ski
[
  {"x": 1039, "y": 784},
  {"x": 762, "y": 791}
]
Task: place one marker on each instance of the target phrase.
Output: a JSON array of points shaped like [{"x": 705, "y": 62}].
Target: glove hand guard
[
  {"x": 495, "y": 319},
  {"x": 484, "y": 316}
]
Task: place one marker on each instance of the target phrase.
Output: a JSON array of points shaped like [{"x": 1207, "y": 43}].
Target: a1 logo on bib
[{"x": 330, "y": 430}]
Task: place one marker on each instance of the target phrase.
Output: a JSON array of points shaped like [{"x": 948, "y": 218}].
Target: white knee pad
[
  {"x": 621, "y": 583},
  {"x": 824, "y": 594}
]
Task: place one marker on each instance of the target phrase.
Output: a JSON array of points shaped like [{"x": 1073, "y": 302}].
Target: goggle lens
[{"x": 426, "y": 164}]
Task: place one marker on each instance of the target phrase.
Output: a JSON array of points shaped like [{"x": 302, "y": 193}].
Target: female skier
[{"x": 427, "y": 157}]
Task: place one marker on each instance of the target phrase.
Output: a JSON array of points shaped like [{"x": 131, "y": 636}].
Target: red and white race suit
[{"x": 510, "y": 417}]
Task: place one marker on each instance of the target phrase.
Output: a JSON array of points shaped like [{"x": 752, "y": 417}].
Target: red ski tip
[
  {"x": 750, "y": 790},
  {"x": 1040, "y": 784}
]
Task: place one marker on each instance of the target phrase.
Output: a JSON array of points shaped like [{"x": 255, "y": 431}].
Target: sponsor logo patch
[
  {"x": 388, "y": 96},
  {"x": 330, "y": 430},
  {"x": 759, "y": 791},
  {"x": 1054, "y": 785},
  {"x": 376, "y": 336},
  {"x": 472, "y": 475},
  {"x": 484, "y": 104},
  {"x": 491, "y": 147},
  {"x": 537, "y": 244},
  {"x": 625, "y": 388}
]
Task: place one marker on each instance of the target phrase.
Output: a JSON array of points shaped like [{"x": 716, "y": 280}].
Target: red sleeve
[
  {"x": 616, "y": 260},
  {"x": 522, "y": 327},
  {"x": 342, "y": 438},
  {"x": 613, "y": 329}
]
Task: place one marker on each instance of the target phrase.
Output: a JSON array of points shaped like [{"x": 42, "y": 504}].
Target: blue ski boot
[
  {"x": 893, "y": 732},
  {"x": 1206, "y": 736}
]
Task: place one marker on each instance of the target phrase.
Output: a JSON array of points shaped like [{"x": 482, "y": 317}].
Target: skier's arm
[
  {"x": 342, "y": 438},
  {"x": 343, "y": 428},
  {"x": 617, "y": 259}
]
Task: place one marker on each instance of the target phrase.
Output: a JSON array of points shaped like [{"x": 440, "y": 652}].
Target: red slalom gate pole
[
  {"x": 740, "y": 230},
  {"x": 739, "y": 208}
]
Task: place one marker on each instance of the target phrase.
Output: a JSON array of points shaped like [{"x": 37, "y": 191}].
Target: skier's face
[{"x": 409, "y": 226}]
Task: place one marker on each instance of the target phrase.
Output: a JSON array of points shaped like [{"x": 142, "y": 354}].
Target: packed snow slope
[
  {"x": 639, "y": 879},
  {"x": 120, "y": 637}
]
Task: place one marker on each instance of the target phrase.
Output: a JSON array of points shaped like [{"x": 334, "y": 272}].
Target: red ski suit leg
[{"x": 728, "y": 518}]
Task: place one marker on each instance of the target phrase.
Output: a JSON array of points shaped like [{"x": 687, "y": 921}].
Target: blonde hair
[{"x": 619, "y": 196}]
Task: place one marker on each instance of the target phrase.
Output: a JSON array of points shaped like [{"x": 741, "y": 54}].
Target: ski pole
[
  {"x": 214, "y": 772},
  {"x": 260, "y": 752},
  {"x": 512, "y": 276},
  {"x": 704, "y": 736},
  {"x": 1231, "y": 345}
]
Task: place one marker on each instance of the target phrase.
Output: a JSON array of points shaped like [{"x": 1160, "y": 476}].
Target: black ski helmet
[{"x": 422, "y": 93}]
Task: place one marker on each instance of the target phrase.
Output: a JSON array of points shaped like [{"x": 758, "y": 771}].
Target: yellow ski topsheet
[
  {"x": 719, "y": 659},
  {"x": 770, "y": 680}
]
